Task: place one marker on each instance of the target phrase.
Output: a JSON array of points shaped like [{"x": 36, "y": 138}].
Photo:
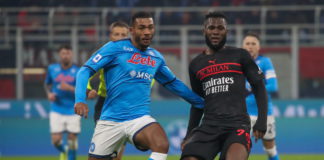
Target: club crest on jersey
[
  {"x": 151, "y": 53},
  {"x": 139, "y": 59},
  {"x": 128, "y": 49}
]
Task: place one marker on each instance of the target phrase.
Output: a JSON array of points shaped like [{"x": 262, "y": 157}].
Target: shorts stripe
[{"x": 133, "y": 138}]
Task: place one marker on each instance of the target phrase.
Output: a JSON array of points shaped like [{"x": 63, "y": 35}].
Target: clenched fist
[
  {"x": 81, "y": 109},
  {"x": 92, "y": 94},
  {"x": 51, "y": 96}
]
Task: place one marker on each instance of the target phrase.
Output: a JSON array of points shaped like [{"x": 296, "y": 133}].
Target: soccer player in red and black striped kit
[{"x": 219, "y": 74}]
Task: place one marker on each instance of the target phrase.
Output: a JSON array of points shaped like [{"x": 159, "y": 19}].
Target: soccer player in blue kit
[
  {"x": 251, "y": 43},
  {"x": 59, "y": 86},
  {"x": 129, "y": 68}
]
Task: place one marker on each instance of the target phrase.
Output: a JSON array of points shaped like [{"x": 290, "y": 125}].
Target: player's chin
[{"x": 145, "y": 44}]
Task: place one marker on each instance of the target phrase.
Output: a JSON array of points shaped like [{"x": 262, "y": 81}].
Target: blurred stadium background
[{"x": 292, "y": 34}]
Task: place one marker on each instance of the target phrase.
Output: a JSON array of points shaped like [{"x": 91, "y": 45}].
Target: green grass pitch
[{"x": 252, "y": 157}]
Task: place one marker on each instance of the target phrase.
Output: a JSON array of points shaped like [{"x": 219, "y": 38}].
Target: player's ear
[{"x": 131, "y": 29}]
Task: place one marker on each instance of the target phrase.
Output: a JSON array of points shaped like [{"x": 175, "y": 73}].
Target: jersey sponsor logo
[
  {"x": 97, "y": 58},
  {"x": 216, "y": 69},
  {"x": 137, "y": 58},
  {"x": 141, "y": 75},
  {"x": 63, "y": 78},
  {"x": 217, "y": 85}
]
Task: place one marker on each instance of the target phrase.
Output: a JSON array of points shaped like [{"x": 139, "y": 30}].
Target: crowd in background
[{"x": 150, "y": 3}]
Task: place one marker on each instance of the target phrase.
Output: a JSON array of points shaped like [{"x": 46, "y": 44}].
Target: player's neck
[
  {"x": 210, "y": 51},
  {"x": 138, "y": 46},
  {"x": 66, "y": 66}
]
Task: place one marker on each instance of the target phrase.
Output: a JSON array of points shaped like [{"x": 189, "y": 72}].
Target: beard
[
  {"x": 218, "y": 46},
  {"x": 142, "y": 46},
  {"x": 66, "y": 63}
]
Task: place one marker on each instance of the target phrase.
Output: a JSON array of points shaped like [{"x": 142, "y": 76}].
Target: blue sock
[
  {"x": 71, "y": 154},
  {"x": 276, "y": 157},
  {"x": 60, "y": 147}
]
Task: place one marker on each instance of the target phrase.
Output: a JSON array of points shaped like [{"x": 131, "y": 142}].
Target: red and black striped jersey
[{"x": 220, "y": 78}]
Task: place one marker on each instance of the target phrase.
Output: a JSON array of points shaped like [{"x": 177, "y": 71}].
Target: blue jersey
[
  {"x": 64, "y": 102},
  {"x": 271, "y": 83},
  {"x": 128, "y": 74}
]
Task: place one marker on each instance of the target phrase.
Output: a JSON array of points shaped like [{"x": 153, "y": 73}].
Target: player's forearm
[
  {"x": 259, "y": 91},
  {"x": 194, "y": 120},
  {"x": 47, "y": 88},
  {"x": 81, "y": 84},
  {"x": 179, "y": 88}
]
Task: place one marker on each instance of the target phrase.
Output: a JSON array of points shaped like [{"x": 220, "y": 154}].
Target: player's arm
[
  {"x": 67, "y": 87},
  {"x": 195, "y": 113},
  {"x": 256, "y": 80},
  {"x": 270, "y": 76},
  {"x": 48, "y": 85},
  {"x": 99, "y": 60},
  {"x": 165, "y": 77}
]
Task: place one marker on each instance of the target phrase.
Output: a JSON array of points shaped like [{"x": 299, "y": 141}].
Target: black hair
[
  {"x": 65, "y": 46},
  {"x": 215, "y": 15},
  {"x": 252, "y": 34},
  {"x": 140, "y": 14},
  {"x": 118, "y": 24}
]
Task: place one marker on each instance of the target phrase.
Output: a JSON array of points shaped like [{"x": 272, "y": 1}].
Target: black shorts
[
  {"x": 98, "y": 108},
  {"x": 205, "y": 142}
]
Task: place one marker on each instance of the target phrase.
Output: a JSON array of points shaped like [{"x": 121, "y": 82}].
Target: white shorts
[
  {"x": 110, "y": 136},
  {"x": 60, "y": 123},
  {"x": 271, "y": 127}
]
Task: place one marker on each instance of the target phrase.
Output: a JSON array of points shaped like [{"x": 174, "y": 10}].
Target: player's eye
[{"x": 211, "y": 27}]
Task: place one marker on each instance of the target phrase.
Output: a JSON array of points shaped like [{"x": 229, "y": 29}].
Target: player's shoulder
[
  {"x": 237, "y": 50},
  {"x": 110, "y": 48},
  {"x": 54, "y": 65},
  {"x": 264, "y": 58},
  {"x": 121, "y": 41},
  {"x": 75, "y": 66},
  {"x": 197, "y": 59}
]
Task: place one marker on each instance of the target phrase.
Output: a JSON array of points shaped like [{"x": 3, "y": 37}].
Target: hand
[
  {"x": 258, "y": 135},
  {"x": 183, "y": 143},
  {"x": 92, "y": 94},
  {"x": 51, "y": 96},
  {"x": 66, "y": 87},
  {"x": 81, "y": 109}
]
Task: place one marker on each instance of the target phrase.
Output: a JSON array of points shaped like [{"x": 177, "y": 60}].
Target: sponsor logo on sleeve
[{"x": 97, "y": 58}]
